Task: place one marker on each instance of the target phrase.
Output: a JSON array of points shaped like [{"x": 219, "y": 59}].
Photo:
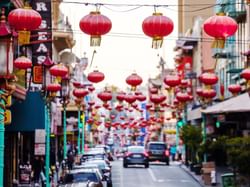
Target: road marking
[{"x": 152, "y": 175}]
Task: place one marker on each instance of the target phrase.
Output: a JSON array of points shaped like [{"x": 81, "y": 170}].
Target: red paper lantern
[
  {"x": 76, "y": 84},
  {"x": 246, "y": 74},
  {"x": 134, "y": 80},
  {"x": 199, "y": 92},
  {"x": 59, "y": 70},
  {"x": 121, "y": 96},
  {"x": 234, "y": 89},
  {"x": 157, "y": 99},
  {"x": 153, "y": 90},
  {"x": 80, "y": 92},
  {"x": 91, "y": 88},
  {"x": 95, "y": 24},
  {"x": 220, "y": 27},
  {"x": 208, "y": 78},
  {"x": 130, "y": 98},
  {"x": 22, "y": 63},
  {"x": 141, "y": 97},
  {"x": 208, "y": 93},
  {"x": 157, "y": 27},
  {"x": 182, "y": 97},
  {"x": 24, "y": 20},
  {"x": 95, "y": 76},
  {"x": 172, "y": 80},
  {"x": 104, "y": 96},
  {"x": 53, "y": 87}
]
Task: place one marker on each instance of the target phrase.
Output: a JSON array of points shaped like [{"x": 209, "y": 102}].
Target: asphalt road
[{"x": 157, "y": 175}]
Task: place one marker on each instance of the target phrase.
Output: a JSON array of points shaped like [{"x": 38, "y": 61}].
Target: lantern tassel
[
  {"x": 95, "y": 41},
  {"x": 218, "y": 43},
  {"x": 23, "y": 37},
  {"x": 157, "y": 42}
]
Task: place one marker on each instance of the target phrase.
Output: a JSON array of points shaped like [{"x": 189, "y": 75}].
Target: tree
[
  {"x": 192, "y": 138},
  {"x": 238, "y": 151}
]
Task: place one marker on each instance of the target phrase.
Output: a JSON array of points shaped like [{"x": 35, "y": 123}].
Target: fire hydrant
[{"x": 213, "y": 178}]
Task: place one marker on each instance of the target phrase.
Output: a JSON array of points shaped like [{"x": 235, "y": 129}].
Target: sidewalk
[{"x": 219, "y": 171}]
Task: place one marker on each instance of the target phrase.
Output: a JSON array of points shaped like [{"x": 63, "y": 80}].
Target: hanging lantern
[
  {"x": 6, "y": 48},
  {"x": 208, "y": 78},
  {"x": 91, "y": 88},
  {"x": 95, "y": 24},
  {"x": 235, "y": 89},
  {"x": 53, "y": 88},
  {"x": 80, "y": 93},
  {"x": 153, "y": 90},
  {"x": 130, "y": 98},
  {"x": 208, "y": 93},
  {"x": 246, "y": 75},
  {"x": 199, "y": 92},
  {"x": 220, "y": 27},
  {"x": 121, "y": 96},
  {"x": 22, "y": 63},
  {"x": 157, "y": 27},
  {"x": 24, "y": 20},
  {"x": 157, "y": 99},
  {"x": 58, "y": 70},
  {"x": 134, "y": 80},
  {"x": 76, "y": 84},
  {"x": 104, "y": 96},
  {"x": 95, "y": 76},
  {"x": 182, "y": 97},
  {"x": 141, "y": 97},
  {"x": 172, "y": 80}
]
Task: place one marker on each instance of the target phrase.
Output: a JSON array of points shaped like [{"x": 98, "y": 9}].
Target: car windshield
[
  {"x": 80, "y": 177},
  {"x": 157, "y": 146},
  {"x": 100, "y": 165},
  {"x": 135, "y": 149}
]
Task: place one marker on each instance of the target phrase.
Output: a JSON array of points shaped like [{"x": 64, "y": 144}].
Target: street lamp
[{"x": 6, "y": 70}]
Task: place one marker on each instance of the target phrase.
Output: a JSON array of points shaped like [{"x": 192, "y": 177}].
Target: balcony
[{"x": 239, "y": 16}]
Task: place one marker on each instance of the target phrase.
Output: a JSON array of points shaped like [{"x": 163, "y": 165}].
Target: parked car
[
  {"x": 135, "y": 155},
  {"x": 82, "y": 177},
  {"x": 158, "y": 151}
]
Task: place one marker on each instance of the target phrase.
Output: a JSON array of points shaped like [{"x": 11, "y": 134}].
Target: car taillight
[
  {"x": 128, "y": 154},
  {"x": 167, "y": 152},
  {"x": 145, "y": 154}
]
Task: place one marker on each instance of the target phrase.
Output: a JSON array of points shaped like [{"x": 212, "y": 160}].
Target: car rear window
[
  {"x": 80, "y": 177},
  {"x": 135, "y": 149},
  {"x": 157, "y": 146}
]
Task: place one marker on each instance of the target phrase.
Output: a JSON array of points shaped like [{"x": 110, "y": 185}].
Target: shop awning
[{"x": 240, "y": 103}]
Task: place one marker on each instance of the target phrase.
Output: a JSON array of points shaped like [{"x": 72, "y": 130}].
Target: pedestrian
[
  {"x": 173, "y": 152},
  {"x": 70, "y": 157},
  {"x": 36, "y": 169},
  {"x": 179, "y": 153}
]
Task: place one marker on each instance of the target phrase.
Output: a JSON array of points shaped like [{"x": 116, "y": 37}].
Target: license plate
[{"x": 137, "y": 156}]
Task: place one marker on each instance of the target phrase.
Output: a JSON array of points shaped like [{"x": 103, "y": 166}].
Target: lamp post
[
  {"x": 6, "y": 70},
  {"x": 83, "y": 127},
  {"x": 64, "y": 101}
]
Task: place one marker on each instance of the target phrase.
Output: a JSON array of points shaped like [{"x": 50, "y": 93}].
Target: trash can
[{"x": 227, "y": 180}]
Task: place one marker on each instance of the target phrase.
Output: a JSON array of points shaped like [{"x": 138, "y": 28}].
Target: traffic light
[
  {"x": 180, "y": 123},
  {"x": 217, "y": 124}
]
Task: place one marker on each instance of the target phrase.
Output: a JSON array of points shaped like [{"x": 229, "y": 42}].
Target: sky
[{"x": 125, "y": 49}]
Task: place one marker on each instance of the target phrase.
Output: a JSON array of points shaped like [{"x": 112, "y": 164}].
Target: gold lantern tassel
[
  {"x": 218, "y": 43},
  {"x": 157, "y": 42},
  {"x": 95, "y": 40},
  {"x": 23, "y": 37}
]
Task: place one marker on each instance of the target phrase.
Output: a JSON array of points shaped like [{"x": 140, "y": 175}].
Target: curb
[{"x": 190, "y": 174}]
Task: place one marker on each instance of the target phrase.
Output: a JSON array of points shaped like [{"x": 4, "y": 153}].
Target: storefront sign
[
  {"x": 39, "y": 149},
  {"x": 40, "y": 136},
  {"x": 42, "y": 38}
]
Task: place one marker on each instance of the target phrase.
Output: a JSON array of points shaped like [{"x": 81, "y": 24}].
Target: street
[{"x": 157, "y": 175}]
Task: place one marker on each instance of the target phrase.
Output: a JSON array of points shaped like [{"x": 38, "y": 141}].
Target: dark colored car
[
  {"x": 82, "y": 177},
  {"x": 158, "y": 151},
  {"x": 135, "y": 155}
]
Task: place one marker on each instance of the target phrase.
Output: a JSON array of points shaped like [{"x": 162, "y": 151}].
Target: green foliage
[
  {"x": 238, "y": 151},
  {"x": 192, "y": 138}
]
